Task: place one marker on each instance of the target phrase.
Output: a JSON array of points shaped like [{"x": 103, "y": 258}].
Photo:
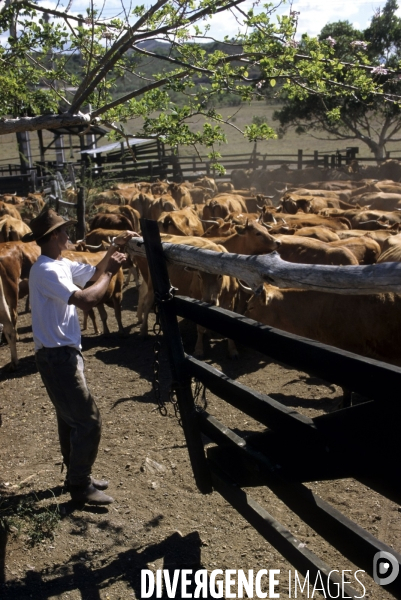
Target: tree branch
[{"x": 42, "y": 122}]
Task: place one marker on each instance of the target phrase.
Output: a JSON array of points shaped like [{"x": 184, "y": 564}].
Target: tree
[
  {"x": 367, "y": 117},
  {"x": 56, "y": 63}
]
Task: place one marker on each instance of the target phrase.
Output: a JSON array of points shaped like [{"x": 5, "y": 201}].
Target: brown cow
[
  {"x": 9, "y": 209},
  {"x": 224, "y": 186},
  {"x": 222, "y": 205},
  {"x": 218, "y": 290},
  {"x": 251, "y": 238},
  {"x": 363, "y": 217},
  {"x": 110, "y": 197},
  {"x": 110, "y": 221},
  {"x": 366, "y": 250},
  {"x": 141, "y": 202},
  {"x": 102, "y": 237},
  {"x": 302, "y": 220},
  {"x": 130, "y": 213},
  {"x": 11, "y": 199},
  {"x": 8, "y": 329},
  {"x": 16, "y": 260},
  {"x": 365, "y": 324},
  {"x": 181, "y": 194},
  {"x": 199, "y": 195},
  {"x": 391, "y": 250},
  {"x": 298, "y": 249},
  {"x": 379, "y": 236},
  {"x": 158, "y": 207},
  {"x": 217, "y": 228},
  {"x": 324, "y": 234},
  {"x": 12, "y": 230},
  {"x": 158, "y": 188},
  {"x": 380, "y": 201},
  {"x": 181, "y": 222},
  {"x": 293, "y": 203},
  {"x": 113, "y": 296},
  {"x": 208, "y": 183},
  {"x": 241, "y": 178}
]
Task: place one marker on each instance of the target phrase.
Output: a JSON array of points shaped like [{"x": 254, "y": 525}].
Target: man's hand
[
  {"x": 125, "y": 237},
  {"x": 115, "y": 261}
]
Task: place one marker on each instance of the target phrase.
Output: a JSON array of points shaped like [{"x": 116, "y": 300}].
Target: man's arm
[
  {"x": 118, "y": 243},
  {"x": 89, "y": 297}
]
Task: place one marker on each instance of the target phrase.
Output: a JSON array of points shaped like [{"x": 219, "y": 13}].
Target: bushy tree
[
  {"x": 369, "y": 118},
  {"x": 55, "y": 63}
]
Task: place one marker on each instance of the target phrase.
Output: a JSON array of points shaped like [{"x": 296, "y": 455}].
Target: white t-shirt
[{"x": 51, "y": 284}]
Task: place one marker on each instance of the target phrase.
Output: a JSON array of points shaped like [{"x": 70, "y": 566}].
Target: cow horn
[
  {"x": 244, "y": 287},
  {"x": 94, "y": 247},
  {"x": 265, "y": 225}
]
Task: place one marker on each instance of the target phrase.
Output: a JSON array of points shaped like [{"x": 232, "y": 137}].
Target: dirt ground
[{"x": 159, "y": 518}]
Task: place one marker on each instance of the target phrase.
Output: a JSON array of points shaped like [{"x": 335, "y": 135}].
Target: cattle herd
[{"x": 309, "y": 216}]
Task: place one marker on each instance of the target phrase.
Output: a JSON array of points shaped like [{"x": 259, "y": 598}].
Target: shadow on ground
[{"x": 176, "y": 551}]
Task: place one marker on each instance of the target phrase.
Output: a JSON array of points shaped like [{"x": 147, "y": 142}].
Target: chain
[
  {"x": 157, "y": 329},
  {"x": 199, "y": 394},
  {"x": 174, "y": 402}
]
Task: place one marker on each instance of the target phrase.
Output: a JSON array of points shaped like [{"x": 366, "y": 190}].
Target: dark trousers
[{"x": 78, "y": 418}]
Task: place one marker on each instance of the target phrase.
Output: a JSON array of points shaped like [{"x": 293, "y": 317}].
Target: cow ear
[{"x": 265, "y": 296}]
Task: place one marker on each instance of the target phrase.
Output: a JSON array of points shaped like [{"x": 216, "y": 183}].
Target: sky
[{"x": 314, "y": 14}]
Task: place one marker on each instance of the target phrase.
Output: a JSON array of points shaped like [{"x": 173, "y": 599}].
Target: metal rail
[{"x": 294, "y": 449}]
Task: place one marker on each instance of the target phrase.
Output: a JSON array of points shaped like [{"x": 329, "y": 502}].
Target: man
[{"x": 55, "y": 291}]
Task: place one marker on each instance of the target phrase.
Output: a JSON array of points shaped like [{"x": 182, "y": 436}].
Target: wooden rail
[{"x": 153, "y": 162}]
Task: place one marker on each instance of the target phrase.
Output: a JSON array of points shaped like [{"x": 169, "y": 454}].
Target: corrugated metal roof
[{"x": 117, "y": 146}]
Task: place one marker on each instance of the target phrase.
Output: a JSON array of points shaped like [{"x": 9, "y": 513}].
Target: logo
[{"x": 385, "y": 568}]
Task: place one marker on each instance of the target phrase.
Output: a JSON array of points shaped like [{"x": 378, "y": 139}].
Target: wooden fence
[
  {"x": 294, "y": 449},
  {"x": 154, "y": 162}
]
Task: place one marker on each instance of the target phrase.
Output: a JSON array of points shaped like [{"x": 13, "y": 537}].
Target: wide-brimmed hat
[{"x": 46, "y": 222}]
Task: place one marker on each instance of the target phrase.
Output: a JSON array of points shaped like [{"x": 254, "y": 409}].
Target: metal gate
[{"x": 293, "y": 449}]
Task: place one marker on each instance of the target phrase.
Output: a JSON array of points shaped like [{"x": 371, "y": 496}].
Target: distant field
[{"x": 237, "y": 144}]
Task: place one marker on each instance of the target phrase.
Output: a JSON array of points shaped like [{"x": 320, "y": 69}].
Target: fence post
[
  {"x": 168, "y": 318},
  {"x": 326, "y": 161},
  {"x": 333, "y": 161},
  {"x": 300, "y": 153},
  {"x": 316, "y": 158},
  {"x": 33, "y": 180},
  {"x": 80, "y": 228},
  {"x": 123, "y": 161},
  {"x": 71, "y": 173}
]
